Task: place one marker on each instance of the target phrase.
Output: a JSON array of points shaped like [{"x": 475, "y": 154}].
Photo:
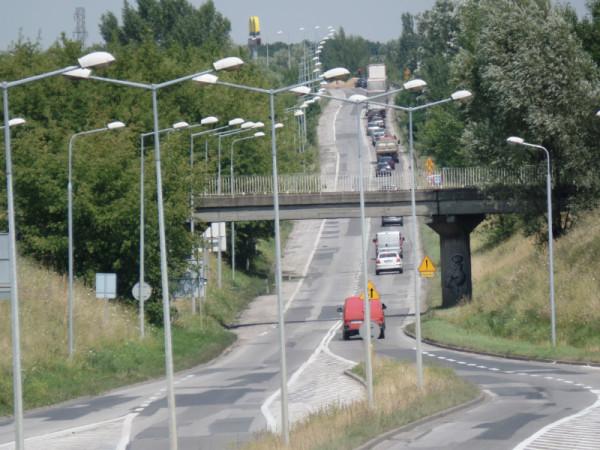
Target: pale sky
[{"x": 375, "y": 20}]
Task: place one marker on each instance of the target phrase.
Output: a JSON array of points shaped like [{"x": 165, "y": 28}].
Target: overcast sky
[{"x": 375, "y": 20}]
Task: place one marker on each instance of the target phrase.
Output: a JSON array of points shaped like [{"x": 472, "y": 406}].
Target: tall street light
[
  {"x": 520, "y": 141},
  {"x": 358, "y": 99},
  {"x": 289, "y": 51},
  {"x": 141, "y": 282},
  {"x": 461, "y": 95},
  {"x": 91, "y": 60},
  {"x": 229, "y": 63},
  {"x": 246, "y": 126},
  {"x": 111, "y": 126},
  {"x": 231, "y": 183},
  {"x": 299, "y": 89},
  {"x": 208, "y": 79}
]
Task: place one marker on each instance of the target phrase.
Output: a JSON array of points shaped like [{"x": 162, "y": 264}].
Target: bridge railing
[{"x": 443, "y": 178}]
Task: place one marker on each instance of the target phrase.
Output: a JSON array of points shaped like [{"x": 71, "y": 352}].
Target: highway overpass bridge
[{"x": 452, "y": 200}]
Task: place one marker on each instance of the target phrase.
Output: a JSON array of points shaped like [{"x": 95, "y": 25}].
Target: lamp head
[
  {"x": 258, "y": 125},
  {"x": 180, "y": 125},
  {"x": 246, "y": 125},
  {"x": 358, "y": 98},
  {"x": 82, "y": 74},
  {"x": 461, "y": 96},
  {"x": 259, "y": 134},
  {"x": 115, "y": 125},
  {"x": 414, "y": 85},
  {"x": 598, "y": 113},
  {"x": 298, "y": 113},
  {"x": 515, "y": 140},
  {"x": 336, "y": 74},
  {"x": 207, "y": 78},
  {"x": 209, "y": 120},
  {"x": 278, "y": 125},
  {"x": 16, "y": 122},
  {"x": 95, "y": 59},
  {"x": 300, "y": 90},
  {"x": 236, "y": 121},
  {"x": 230, "y": 63}
]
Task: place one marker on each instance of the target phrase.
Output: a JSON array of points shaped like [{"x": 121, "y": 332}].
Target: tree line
[{"x": 156, "y": 41}]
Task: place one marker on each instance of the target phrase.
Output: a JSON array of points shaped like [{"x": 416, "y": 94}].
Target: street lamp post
[
  {"x": 142, "y": 280},
  {"x": 222, "y": 64},
  {"x": 91, "y": 60},
  {"x": 231, "y": 182},
  {"x": 358, "y": 99},
  {"x": 520, "y": 141},
  {"x": 111, "y": 126},
  {"x": 461, "y": 95},
  {"x": 300, "y": 89}
]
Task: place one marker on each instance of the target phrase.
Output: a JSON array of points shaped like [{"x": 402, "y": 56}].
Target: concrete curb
[
  {"x": 476, "y": 401},
  {"x": 499, "y": 355},
  {"x": 355, "y": 377}
]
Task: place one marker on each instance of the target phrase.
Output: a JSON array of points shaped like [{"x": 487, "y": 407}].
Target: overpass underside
[{"x": 331, "y": 205}]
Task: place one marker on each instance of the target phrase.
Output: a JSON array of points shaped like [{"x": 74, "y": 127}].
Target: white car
[{"x": 388, "y": 261}]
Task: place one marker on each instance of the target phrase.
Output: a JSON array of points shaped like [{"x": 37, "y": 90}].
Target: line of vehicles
[{"x": 385, "y": 144}]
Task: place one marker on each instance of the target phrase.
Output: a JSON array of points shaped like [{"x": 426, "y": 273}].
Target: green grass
[
  {"x": 113, "y": 365},
  {"x": 109, "y": 352},
  {"x": 510, "y": 313},
  {"x": 397, "y": 403}
]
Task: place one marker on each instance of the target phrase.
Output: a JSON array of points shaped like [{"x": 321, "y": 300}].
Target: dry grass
[
  {"x": 397, "y": 401},
  {"x": 43, "y": 314},
  {"x": 511, "y": 290}
]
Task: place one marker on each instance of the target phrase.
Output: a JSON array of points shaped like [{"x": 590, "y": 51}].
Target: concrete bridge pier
[{"x": 455, "y": 254}]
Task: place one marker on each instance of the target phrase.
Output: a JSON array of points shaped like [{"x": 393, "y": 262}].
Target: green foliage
[
  {"x": 168, "y": 23},
  {"x": 352, "y": 52},
  {"x": 106, "y": 166}
]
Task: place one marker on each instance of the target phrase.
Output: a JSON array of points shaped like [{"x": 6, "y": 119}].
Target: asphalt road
[{"x": 222, "y": 404}]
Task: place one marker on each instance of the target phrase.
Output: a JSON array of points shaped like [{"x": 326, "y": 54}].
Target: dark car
[
  {"x": 383, "y": 169},
  {"x": 392, "y": 220},
  {"x": 387, "y": 159}
]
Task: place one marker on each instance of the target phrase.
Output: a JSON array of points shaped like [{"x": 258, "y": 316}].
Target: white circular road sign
[{"x": 146, "y": 291}]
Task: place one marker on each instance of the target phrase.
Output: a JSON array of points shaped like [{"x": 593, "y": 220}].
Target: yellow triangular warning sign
[{"x": 427, "y": 269}]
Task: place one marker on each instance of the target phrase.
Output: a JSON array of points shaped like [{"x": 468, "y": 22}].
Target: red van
[{"x": 354, "y": 314}]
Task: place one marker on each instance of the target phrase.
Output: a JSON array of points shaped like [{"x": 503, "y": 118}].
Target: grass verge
[
  {"x": 509, "y": 313},
  {"x": 397, "y": 403},
  {"x": 108, "y": 351}
]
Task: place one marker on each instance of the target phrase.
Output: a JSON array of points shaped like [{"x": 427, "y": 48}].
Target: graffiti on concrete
[{"x": 456, "y": 280}]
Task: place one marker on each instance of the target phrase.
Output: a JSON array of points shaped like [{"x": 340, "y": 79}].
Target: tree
[
  {"x": 541, "y": 86},
  {"x": 167, "y": 22}
]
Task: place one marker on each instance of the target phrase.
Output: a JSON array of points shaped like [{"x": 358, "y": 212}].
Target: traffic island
[{"x": 397, "y": 404}]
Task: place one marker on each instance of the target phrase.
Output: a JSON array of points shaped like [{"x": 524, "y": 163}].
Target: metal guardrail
[{"x": 444, "y": 178}]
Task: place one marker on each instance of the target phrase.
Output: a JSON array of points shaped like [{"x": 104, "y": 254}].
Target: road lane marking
[
  {"x": 561, "y": 427},
  {"x": 265, "y": 407}
]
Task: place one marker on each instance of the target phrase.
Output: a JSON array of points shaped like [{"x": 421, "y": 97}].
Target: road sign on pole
[
  {"x": 146, "y": 291},
  {"x": 106, "y": 285},
  {"x": 427, "y": 269}
]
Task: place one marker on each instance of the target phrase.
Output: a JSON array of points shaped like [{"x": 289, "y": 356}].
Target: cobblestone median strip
[{"x": 318, "y": 384}]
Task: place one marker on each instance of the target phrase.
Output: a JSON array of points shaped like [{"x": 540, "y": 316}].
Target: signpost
[
  {"x": 373, "y": 292},
  {"x": 427, "y": 269},
  {"x": 106, "y": 285},
  {"x": 4, "y": 267},
  {"x": 146, "y": 291},
  {"x": 373, "y": 330}
]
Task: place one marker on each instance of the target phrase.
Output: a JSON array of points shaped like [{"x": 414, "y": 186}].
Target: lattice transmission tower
[{"x": 80, "y": 33}]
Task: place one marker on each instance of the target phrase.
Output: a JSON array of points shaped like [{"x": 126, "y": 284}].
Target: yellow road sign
[
  {"x": 430, "y": 166},
  {"x": 427, "y": 269},
  {"x": 373, "y": 292}
]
